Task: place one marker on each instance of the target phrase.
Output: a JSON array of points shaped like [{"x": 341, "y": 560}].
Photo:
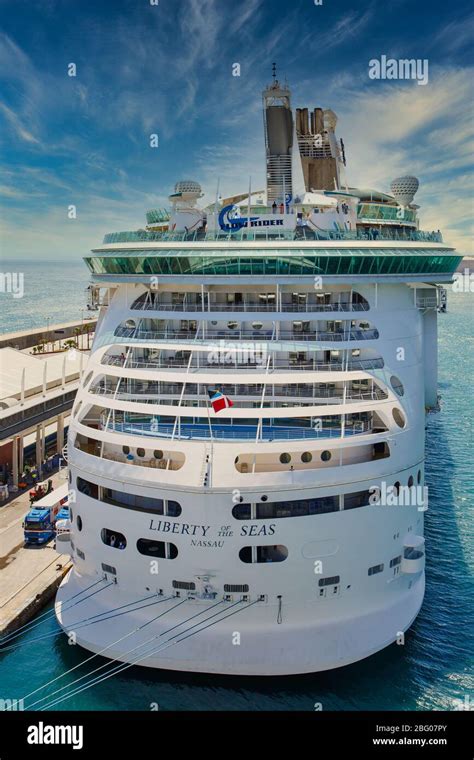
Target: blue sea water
[
  {"x": 430, "y": 672},
  {"x": 53, "y": 292}
]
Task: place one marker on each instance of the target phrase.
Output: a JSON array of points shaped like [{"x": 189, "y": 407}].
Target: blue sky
[{"x": 167, "y": 69}]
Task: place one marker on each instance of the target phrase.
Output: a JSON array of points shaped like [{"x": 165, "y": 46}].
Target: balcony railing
[
  {"x": 236, "y": 432},
  {"x": 299, "y": 233},
  {"x": 255, "y": 335},
  {"x": 256, "y": 306},
  {"x": 167, "y": 397},
  {"x": 275, "y": 364}
]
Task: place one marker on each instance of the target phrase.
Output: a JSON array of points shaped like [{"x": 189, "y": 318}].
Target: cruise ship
[{"x": 246, "y": 449}]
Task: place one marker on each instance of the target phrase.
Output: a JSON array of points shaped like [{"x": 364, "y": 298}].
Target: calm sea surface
[{"x": 430, "y": 672}]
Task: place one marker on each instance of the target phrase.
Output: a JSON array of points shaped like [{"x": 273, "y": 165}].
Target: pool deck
[{"x": 29, "y": 576}]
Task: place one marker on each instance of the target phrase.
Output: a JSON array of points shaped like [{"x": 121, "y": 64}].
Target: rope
[
  {"x": 105, "y": 665},
  {"x": 54, "y": 633},
  {"x": 163, "y": 646},
  {"x": 30, "y": 694},
  {"x": 34, "y": 623}
]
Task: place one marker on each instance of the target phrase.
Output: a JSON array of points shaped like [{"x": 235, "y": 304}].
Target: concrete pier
[{"x": 29, "y": 576}]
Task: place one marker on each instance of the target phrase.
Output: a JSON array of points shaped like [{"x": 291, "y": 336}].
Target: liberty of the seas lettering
[{"x": 183, "y": 528}]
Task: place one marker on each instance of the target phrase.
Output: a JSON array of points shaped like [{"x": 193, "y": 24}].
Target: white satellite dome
[
  {"x": 188, "y": 186},
  {"x": 404, "y": 189}
]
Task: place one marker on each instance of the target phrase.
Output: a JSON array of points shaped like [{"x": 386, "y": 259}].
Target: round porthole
[
  {"x": 257, "y": 325},
  {"x": 140, "y": 452},
  {"x": 285, "y": 458},
  {"x": 264, "y": 498},
  {"x": 306, "y": 456},
  {"x": 326, "y": 456},
  {"x": 126, "y": 449},
  {"x": 158, "y": 454},
  {"x": 398, "y": 417},
  {"x": 79, "y": 522},
  {"x": 397, "y": 385}
]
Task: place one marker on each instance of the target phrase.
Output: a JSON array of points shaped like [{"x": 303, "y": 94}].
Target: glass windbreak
[{"x": 293, "y": 264}]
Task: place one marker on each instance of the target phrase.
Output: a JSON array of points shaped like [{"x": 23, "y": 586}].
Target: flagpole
[
  {"x": 209, "y": 417},
  {"x": 248, "y": 206}
]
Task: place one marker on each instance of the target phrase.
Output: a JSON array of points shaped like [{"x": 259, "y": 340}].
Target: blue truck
[{"x": 39, "y": 524}]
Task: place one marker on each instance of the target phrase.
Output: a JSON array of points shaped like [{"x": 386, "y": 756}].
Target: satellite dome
[
  {"x": 188, "y": 186},
  {"x": 404, "y": 189}
]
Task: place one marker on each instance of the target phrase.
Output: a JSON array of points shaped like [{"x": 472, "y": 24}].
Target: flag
[{"x": 218, "y": 400}]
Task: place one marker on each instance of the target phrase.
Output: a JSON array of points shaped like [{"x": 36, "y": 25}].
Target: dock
[{"x": 29, "y": 576}]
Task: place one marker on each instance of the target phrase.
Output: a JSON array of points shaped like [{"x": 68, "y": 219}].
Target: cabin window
[
  {"x": 160, "y": 549},
  {"x": 79, "y": 522},
  {"x": 266, "y": 554},
  {"x": 325, "y": 456},
  {"x": 113, "y": 538}
]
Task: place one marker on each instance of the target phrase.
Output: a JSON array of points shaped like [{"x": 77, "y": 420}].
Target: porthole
[
  {"x": 257, "y": 325},
  {"x": 326, "y": 456},
  {"x": 264, "y": 497},
  {"x": 79, "y": 522},
  {"x": 285, "y": 458},
  {"x": 140, "y": 452},
  {"x": 126, "y": 449},
  {"x": 418, "y": 477},
  {"x": 158, "y": 454},
  {"x": 397, "y": 385},
  {"x": 398, "y": 417},
  {"x": 232, "y": 325},
  {"x": 306, "y": 456},
  {"x": 411, "y": 481}
]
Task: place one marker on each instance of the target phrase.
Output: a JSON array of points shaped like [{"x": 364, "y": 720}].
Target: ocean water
[
  {"x": 430, "y": 672},
  {"x": 52, "y": 290}
]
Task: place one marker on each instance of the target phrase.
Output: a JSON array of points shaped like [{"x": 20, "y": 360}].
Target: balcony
[
  {"x": 168, "y": 393},
  {"x": 232, "y": 365},
  {"x": 190, "y": 304},
  {"x": 218, "y": 431},
  {"x": 245, "y": 334}
]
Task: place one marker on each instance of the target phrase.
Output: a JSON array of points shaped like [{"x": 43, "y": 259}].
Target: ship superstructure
[{"x": 269, "y": 537}]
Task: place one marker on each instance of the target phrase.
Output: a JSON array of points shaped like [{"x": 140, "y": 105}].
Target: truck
[{"x": 40, "y": 522}]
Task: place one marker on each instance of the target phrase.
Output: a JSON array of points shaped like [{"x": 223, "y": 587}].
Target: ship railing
[
  {"x": 202, "y": 364},
  {"x": 267, "y": 433},
  {"x": 168, "y": 398},
  {"x": 302, "y": 232},
  {"x": 255, "y": 335},
  {"x": 249, "y": 307}
]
